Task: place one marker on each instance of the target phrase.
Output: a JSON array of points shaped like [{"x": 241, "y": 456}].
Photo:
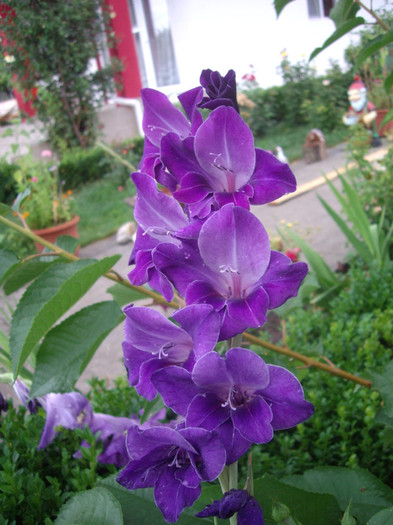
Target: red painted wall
[{"x": 125, "y": 49}]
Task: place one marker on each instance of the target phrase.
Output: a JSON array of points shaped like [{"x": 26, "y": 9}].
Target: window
[
  {"x": 153, "y": 40},
  {"x": 319, "y": 8}
]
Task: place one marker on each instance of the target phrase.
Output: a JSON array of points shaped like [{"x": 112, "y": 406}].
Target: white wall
[{"x": 232, "y": 34}]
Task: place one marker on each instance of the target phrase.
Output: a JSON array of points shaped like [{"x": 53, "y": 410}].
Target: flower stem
[{"x": 223, "y": 478}]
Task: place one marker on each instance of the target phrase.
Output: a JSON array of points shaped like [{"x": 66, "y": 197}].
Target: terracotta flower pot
[
  {"x": 381, "y": 113},
  {"x": 65, "y": 228}
]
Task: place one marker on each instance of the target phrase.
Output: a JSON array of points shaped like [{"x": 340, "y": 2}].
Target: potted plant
[{"x": 46, "y": 210}]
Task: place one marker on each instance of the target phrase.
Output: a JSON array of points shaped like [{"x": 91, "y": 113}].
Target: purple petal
[
  {"x": 161, "y": 116},
  {"x": 171, "y": 496},
  {"x": 271, "y": 178},
  {"x": 285, "y": 396},
  {"x": 156, "y": 213},
  {"x": 150, "y": 331},
  {"x": 133, "y": 360},
  {"x": 211, "y": 374},
  {"x": 178, "y": 155},
  {"x": 250, "y": 312},
  {"x": 70, "y": 410},
  {"x": 282, "y": 278},
  {"x": 224, "y": 147},
  {"x": 145, "y": 387},
  {"x": 253, "y": 420},
  {"x": 176, "y": 387},
  {"x": 206, "y": 411},
  {"x": 189, "y": 101},
  {"x": 238, "y": 198},
  {"x": 210, "y": 451},
  {"x": 193, "y": 188},
  {"x": 201, "y": 292},
  {"x": 219, "y": 90},
  {"x": 141, "y": 473},
  {"x": 225, "y": 241},
  {"x": 141, "y": 443},
  {"x": 251, "y": 513},
  {"x": 247, "y": 369},
  {"x": 235, "y": 444}
]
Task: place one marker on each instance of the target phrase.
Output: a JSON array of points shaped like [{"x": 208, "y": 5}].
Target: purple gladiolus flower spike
[
  {"x": 221, "y": 270},
  {"x": 174, "y": 462},
  {"x": 70, "y": 410},
  {"x": 220, "y": 91},
  {"x": 235, "y": 500},
  {"x": 153, "y": 342},
  {"x": 238, "y": 396}
]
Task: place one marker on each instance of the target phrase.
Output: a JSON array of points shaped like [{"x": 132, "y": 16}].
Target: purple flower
[
  {"x": 3, "y": 404},
  {"x": 222, "y": 165},
  {"x": 174, "y": 462},
  {"x": 152, "y": 342},
  {"x": 22, "y": 391},
  {"x": 220, "y": 269},
  {"x": 238, "y": 396},
  {"x": 220, "y": 91},
  {"x": 113, "y": 436},
  {"x": 70, "y": 410},
  {"x": 247, "y": 507}
]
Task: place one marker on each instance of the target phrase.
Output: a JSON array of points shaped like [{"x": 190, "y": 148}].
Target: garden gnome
[{"x": 361, "y": 110}]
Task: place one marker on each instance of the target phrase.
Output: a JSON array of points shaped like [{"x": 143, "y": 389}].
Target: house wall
[{"x": 232, "y": 34}]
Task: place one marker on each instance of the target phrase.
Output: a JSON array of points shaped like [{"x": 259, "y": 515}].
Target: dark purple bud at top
[
  {"x": 236, "y": 500},
  {"x": 220, "y": 91}
]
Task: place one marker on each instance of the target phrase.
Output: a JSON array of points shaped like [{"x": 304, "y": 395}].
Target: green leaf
[
  {"x": 139, "y": 507},
  {"x": 348, "y": 519},
  {"x": 20, "y": 199},
  {"x": 96, "y": 506},
  {"x": 4, "y": 209},
  {"x": 4, "y": 342},
  {"x": 280, "y": 4},
  {"x": 374, "y": 45},
  {"x": 343, "y": 11},
  {"x": 124, "y": 295},
  {"x": 69, "y": 346},
  {"x": 384, "y": 384},
  {"x": 305, "y": 506},
  {"x": 388, "y": 117},
  {"x": 7, "y": 133},
  {"x": 359, "y": 246},
  {"x": 383, "y": 517},
  {"x": 325, "y": 276},
  {"x": 387, "y": 84},
  {"x": 366, "y": 493},
  {"x": 152, "y": 407},
  {"x": 47, "y": 299},
  {"x": 24, "y": 272},
  {"x": 7, "y": 260},
  {"x": 345, "y": 28},
  {"x": 67, "y": 243}
]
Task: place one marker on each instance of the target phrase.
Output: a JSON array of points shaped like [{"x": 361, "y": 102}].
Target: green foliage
[
  {"x": 120, "y": 400},
  {"x": 58, "y": 58},
  {"x": 8, "y": 190},
  {"x": 355, "y": 334},
  {"x": 34, "y": 484},
  {"x": 303, "y": 100}
]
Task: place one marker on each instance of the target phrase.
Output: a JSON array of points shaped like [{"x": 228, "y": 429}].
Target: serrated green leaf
[
  {"x": 383, "y": 517},
  {"x": 7, "y": 260},
  {"x": 374, "y": 45},
  {"x": 280, "y": 4},
  {"x": 366, "y": 492},
  {"x": 24, "y": 272},
  {"x": 47, "y": 299},
  {"x": 67, "y": 243},
  {"x": 345, "y": 28},
  {"x": 152, "y": 407},
  {"x": 139, "y": 507},
  {"x": 68, "y": 348},
  {"x": 4, "y": 342},
  {"x": 124, "y": 295},
  {"x": 96, "y": 506},
  {"x": 306, "y": 506},
  {"x": 343, "y": 10}
]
